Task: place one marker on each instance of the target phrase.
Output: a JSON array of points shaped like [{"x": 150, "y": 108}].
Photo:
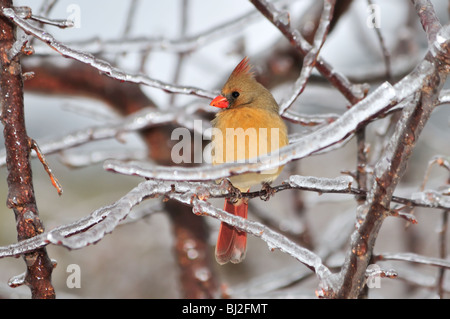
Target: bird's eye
[{"x": 235, "y": 94}]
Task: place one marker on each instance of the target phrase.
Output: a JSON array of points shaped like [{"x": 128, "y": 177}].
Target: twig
[
  {"x": 60, "y": 23},
  {"x": 361, "y": 161},
  {"x": 42, "y": 159},
  {"x": 128, "y": 24},
  {"x": 438, "y": 159},
  {"x": 189, "y": 44},
  {"x": 311, "y": 57},
  {"x": 437, "y": 262},
  {"x": 181, "y": 56},
  {"x": 384, "y": 51},
  {"x": 339, "y": 185}
]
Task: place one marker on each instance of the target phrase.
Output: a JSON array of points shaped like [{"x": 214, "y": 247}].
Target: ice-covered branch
[
  {"x": 354, "y": 93},
  {"x": 392, "y": 164},
  {"x": 375, "y": 104},
  {"x": 142, "y": 44},
  {"x": 273, "y": 239},
  {"x": 432, "y": 198},
  {"x": 95, "y": 226},
  {"x": 102, "y": 65},
  {"x": 428, "y": 18},
  {"x": 311, "y": 57},
  {"x": 378, "y": 102},
  {"x": 145, "y": 118},
  {"x": 92, "y": 228},
  {"x": 415, "y": 258},
  {"x": 26, "y": 13},
  {"x": 21, "y": 193},
  {"x": 444, "y": 97}
]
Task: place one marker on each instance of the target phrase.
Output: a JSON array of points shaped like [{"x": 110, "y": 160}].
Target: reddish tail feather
[{"x": 231, "y": 243}]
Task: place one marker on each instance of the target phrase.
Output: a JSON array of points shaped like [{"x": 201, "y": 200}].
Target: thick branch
[
  {"x": 388, "y": 172},
  {"x": 20, "y": 185}
]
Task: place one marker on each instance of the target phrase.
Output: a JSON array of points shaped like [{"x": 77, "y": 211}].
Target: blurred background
[{"x": 137, "y": 260}]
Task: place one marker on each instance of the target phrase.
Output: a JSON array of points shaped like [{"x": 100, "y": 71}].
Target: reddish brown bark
[{"x": 21, "y": 197}]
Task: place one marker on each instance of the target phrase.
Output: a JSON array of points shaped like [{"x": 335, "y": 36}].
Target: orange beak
[{"x": 220, "y": 101}]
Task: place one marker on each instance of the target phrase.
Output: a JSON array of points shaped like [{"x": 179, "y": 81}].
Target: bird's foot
[
  {"x": 267, "y": 191},
  {"x": 235, "y": 194}
]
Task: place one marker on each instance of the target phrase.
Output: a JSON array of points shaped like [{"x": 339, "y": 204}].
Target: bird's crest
[{"x": 243, "y": 68}]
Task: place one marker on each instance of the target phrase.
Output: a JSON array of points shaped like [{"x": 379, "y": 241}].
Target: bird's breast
[{"x": 243, "y": 134}]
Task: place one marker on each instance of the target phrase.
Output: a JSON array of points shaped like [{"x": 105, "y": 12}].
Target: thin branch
[
  {"x": 376, "y": 103},
  {"x": 146, "y": 118},
  {"x": 428, "y": 18},
  {"x": 102, "y": 65},
  {"x": 361, "y": 161},
  {"x": 189, "y": 44},
  {"x": 353, "y": 93},
  {"x": 311, "y": 57},
  {"x": 437, "y": 159},
  {"x": 384, "y": 50},
  {"x": 414, "y": 258},
  {"x": 60, "y": 23},
  {"x": 47, "y": 168}
]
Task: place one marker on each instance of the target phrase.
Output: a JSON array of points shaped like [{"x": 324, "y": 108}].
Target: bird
[{"x": 247, "y": 125}]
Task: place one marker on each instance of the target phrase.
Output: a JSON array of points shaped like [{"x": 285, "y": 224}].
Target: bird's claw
[
  {"x": 267, "y": 191},
  {"x": 235, "y": 193}
]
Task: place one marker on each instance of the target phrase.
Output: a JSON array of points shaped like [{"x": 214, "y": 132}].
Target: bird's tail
[{"x": 232, "y": 243}]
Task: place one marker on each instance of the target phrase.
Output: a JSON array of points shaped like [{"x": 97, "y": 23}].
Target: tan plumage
[{"x": 247, "y": 126}]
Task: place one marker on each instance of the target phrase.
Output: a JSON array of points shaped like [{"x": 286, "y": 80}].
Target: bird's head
[{"x": 242, "y": 89}]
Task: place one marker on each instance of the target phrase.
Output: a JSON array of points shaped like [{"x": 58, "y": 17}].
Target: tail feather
[{"x": 232, "y": 243}]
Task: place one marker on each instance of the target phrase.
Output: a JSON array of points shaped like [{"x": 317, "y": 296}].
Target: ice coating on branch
[
  {"x": 92, "y": 228},
  {"x": 412, "y": 257},
  {"x": 380, "y": 100},
  {"x": 342, "y": 183},
  {"x": 439, "y": 46},
  {"x": 413, "y": 81},
  {"x": 283, "y": 17},
  {"x": 273, "y": 239},
  {"x": 100, "y": 64},
  {"x": 431, "y": 198},
  {"x": 16, "y": 281},
  {"x": 104, "y": 220}
]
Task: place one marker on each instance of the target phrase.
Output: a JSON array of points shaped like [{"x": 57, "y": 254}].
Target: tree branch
[
  {"x": 388, "y": 171},
  {"x": 101, "y": 65},
  {"x": 21, "y": 197},
  {"x": 353, "y": 93}
]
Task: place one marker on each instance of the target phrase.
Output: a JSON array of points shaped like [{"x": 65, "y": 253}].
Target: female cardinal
[{"x": 248, "y": 125}]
